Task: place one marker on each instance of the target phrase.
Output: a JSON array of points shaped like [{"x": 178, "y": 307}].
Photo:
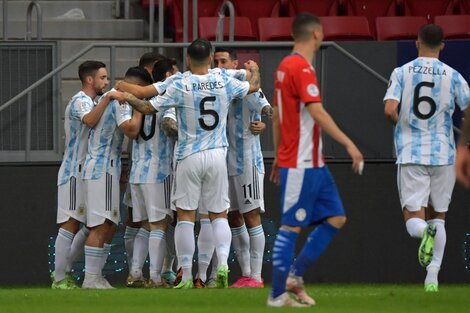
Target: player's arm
[
  {"x": 462, "y": 161},
  {"x": 391, "y": 110},
  {"x": 274, "y": 177},
  {"x": 131, "y": 128},
  {"x": 140, "y": 92},
  {"x": 254, "y": 79},
  {"x": 327, "y": 123},
  {"x": 170, "y": 127},
  {"x": 92, "y": 118},
  {"x": 143, "y": 106}
]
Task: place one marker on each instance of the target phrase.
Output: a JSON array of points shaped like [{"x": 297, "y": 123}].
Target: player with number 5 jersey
[{"x": 427, "y": 91}]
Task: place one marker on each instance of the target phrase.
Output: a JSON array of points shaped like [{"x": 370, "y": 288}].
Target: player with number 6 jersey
[{"x": 427, "y": 91}]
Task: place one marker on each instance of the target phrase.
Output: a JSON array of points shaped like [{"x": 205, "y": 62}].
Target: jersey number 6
[
  {"x": 417, "y": 100},
  {"x": 203, "y": 111}
]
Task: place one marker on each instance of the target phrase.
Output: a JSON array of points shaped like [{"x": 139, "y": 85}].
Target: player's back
[
  {"x": 76, "y": 134},
  {"x": 428, "y": 91}
]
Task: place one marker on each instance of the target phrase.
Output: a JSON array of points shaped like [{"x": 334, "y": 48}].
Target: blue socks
[
  {"x": 283, "y": 253},
  {"x": 316, "y": 243}
]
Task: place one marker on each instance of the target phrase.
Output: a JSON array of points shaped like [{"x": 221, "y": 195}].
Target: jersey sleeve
[
  {"x": 256, "y": 101},
  {"x": 395, "y": 86},
  {"x": 237, "y": 74},
  {"x": 239, "y": 88},
  {"x": 462, "y": 92},
  {"x": 169, "y": 99},
  {"x": 162, "y": 86},
  {"x": 170, "y": 113},
  {"x": 81, "y": 107},
  {"x": 306, "y": 84},
  {"x": 123, "y": 112}
]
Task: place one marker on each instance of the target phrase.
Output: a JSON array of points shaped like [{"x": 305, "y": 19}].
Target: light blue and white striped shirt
[
  {"x": 201, "y": 103},
  {"x": 152, "y": 152},
  {"x": 428, "y": 91},
  {"x": 244, "y": 147},
  {"x": 105, "y": 142},
  {"x": 76, "y": 134}
]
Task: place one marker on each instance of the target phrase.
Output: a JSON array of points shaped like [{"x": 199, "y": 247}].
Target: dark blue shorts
[{"x": 308, "y": 196}]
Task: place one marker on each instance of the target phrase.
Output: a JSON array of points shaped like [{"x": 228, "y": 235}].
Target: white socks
[
  {"x": 141, "y": 249},
  {"x": 93, "y": 260},
  {"x": 129, "y": 237},
  {"x": 78, "y": 247},
  {"x": 106, "y": 251},
  {"x": 415, "y": 227},
  {"x": 439, "y": 247},
  {"x": 171, "y": 252},
  {"x": 63, "y": 243},
  {"x": 185, "y": 246},
  {"x": 157, "y": 252},
  {"x": 205, "y": 246},
  {"x": 241, "y": 245},
  {"x": 222, "y": 238},
  {"x": 257, "y": 242}
]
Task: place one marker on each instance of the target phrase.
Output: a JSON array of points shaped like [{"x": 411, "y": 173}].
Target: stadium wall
[{"x": 373, "y": 247}]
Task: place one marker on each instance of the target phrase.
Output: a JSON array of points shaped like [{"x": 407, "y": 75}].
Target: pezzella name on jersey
[
  {"x": 205, "y": 86},
  {"x": 426, "y": 70}
]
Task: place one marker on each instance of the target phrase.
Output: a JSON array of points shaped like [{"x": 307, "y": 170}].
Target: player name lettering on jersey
[
  {"x": 205, "y": 86},
  {"x": 417, "y": 69}
]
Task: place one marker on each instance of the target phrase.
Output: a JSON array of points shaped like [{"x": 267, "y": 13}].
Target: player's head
[
  {"x": 138, "y": 76},
  {"x": 93, "y": 75},
  {"x": 225, "y": 58},
  {"x": 199, "y": 53},
  {"x": 430, "y": 38},
  {"x": 307, "y": 29},
  {"x": 163, "y": 69},
  {"x": 147, "y": 60}
]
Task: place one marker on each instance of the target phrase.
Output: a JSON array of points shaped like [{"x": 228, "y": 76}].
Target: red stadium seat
[
  {"x": 346, "y": 28},
  {"x": 427, "y": 8},
  {"x": 317, "y": 7},
  {"x": 264, "y": 8},
  {"x": 275, "y": 28},
  {"x": 399, "y": 27},
  {"x": 454, "y": 26},
  {"x": 243, "y": 30}
]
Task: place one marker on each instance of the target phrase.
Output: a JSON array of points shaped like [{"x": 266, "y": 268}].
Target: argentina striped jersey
[
  {"x": 427, "y": 90},
  {"x": 76, "y": 134},
  {"x": 201, "y": 103}
]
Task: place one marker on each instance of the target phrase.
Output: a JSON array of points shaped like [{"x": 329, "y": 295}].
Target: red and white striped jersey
[{"x": 295, "y": 86}]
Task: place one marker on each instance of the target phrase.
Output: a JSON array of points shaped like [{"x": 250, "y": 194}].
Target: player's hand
[
  {"x": 357, "y": 158},
  {"x": 251, "y": 65},
  {"x": 462, "y": 165},
  {"x": 118, "y": 85},
  {"x": 257, "y": 127},
  {"x": 274, "y": 177},
  {"x": 117, "y": 95}
]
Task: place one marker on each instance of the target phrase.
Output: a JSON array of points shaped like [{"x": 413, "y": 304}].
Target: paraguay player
[{"x": 427, "y": 91}]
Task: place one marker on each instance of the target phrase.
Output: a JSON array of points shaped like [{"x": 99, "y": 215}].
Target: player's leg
[
  {"x": 185, "y": 245},
  {"x": 442, "y": 185},
  {"x": 131, "y": 227},
  {"x": 205, "y": 248},
  {"x": 257, "y": 243},
  {"x": 168, "y": 274},
  {"x": 212, "y": 280}
]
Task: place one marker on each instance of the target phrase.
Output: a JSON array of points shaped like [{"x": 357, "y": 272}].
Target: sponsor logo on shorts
[
  {"x": 81, "y": 210},
  {"x": 247, "y": 201},
  {"x": 300, "y": 214}
]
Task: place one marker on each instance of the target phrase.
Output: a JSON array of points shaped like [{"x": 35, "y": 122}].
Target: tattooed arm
[
  {"x": 143, "y": 106},
  {"x": 170, "y": 127}
]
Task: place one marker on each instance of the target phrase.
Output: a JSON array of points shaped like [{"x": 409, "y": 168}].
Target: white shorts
[
  {"x": 102, "y": 200},
  {"x": 246, "y": 191},
  {"x": 127, "y": 198},
  {"x": 151, "y": 201},
  {"x": 421, "y": 185},
  {"x": 201, "y": 182},
  {"x": 71, "y": 201}
]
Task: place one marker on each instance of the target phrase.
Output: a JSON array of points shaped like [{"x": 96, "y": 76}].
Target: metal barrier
[
  {"x": 220, "y": 23},
  {"x": 29, "y": 13}
]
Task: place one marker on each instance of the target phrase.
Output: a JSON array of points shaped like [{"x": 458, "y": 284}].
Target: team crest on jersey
[
  {"x": 300, "y": 215},
  {"x": 313, "y": 90},
  {"x": 280, "y": 76}
]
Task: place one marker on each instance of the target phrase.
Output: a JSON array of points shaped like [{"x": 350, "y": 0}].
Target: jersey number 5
[
  {"x": 205, "y": 111},
  {"x": 417, "y": 100}
]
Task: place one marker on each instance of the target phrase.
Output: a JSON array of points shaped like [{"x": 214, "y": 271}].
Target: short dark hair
[
  {"x": 302, "y": 24},
  {"x": 431, "y": 35},
  {"x": 231, "y": 51},
  {"x": 160, "y": 68},
  {"x": 199, "y": 50},
  {"x": 149, "y": 59},
  {"x": 89, "y": 68},
  {"x": 139, "y": 73}
]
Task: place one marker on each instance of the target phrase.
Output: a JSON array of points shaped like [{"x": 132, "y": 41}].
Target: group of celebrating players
[{"x": 196, "y": 155}]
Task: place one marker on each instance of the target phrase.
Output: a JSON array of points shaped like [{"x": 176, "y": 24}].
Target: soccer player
[
  {"x": 202, "y": 99},
  {"x": 80, "y": 115},
  {"x": 148, "y": 60},
  {"x": 427, "y": 91},
  {"x": 246, "y": 175},
  {"x": 308, "y": 193},
  {"x": 101, "y": 173}
]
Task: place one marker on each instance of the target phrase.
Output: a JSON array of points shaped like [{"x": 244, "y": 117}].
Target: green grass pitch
[{"x": 330, "y": 298}]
